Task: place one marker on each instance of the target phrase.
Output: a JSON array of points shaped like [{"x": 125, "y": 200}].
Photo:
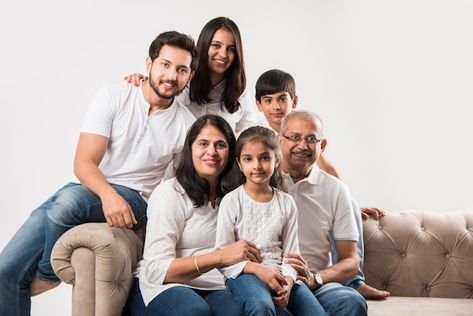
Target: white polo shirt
[
  {"x": 240, "y": 120},
  {"x": 324, "y": 205},
  {"x": 140, "y": 145}
]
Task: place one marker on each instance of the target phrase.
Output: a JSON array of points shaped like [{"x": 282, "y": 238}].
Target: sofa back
[{"x": 415, "y": 253}]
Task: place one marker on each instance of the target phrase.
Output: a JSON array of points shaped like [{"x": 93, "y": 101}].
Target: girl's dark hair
[
  {"x": 265, "y": 136},
  {"x": 197, "y": 188},
  {"x": 235, "y": 77}
]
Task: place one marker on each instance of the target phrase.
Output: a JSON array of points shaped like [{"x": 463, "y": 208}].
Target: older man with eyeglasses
[{"x": 324, "y": 208}]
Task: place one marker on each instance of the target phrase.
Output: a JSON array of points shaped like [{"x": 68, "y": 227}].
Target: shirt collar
[{"x": 312, "y": 178}]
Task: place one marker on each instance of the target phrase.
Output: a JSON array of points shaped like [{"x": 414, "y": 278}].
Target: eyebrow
[{"x": 168, "y": 61}]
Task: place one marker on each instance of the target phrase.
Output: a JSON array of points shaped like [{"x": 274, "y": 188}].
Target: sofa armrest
[{"x": 98, "y": 261}]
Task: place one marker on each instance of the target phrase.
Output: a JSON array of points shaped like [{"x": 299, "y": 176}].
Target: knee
[
  {"x": 259, "y": 306},
  {"x": 197, "y": 310},
  {"x": 359, "y": 304},
  {"x": 65, "y": 205},
  {"x": 355, "y": 302}
]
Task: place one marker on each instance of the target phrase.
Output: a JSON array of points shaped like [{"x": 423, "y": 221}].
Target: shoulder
[
  {"x": 119, "y": 89},
  {"x": 284, "y": 198},
  {"x": 333, "y": 186},
  {"x": 232, "y": 196},
  {"x": 168, "y": 190}
]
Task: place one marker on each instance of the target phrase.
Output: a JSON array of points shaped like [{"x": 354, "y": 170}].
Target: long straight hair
[
  {"x": 196, "y": 187},
  {"x": 257, "y": 134},
  {"x": 235, "y": 78}
]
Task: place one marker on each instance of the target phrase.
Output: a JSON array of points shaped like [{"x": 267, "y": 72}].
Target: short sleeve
[{"x": 100, "y": 114}]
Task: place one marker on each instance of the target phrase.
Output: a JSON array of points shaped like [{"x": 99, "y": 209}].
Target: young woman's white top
[
  {"x": 176, "y": 229},
  {"x": 240, "y": 120},
  {"x": 272, "y": 226}
]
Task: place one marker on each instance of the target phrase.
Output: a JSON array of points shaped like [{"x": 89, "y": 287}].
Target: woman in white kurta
[{"x": 177, "y": 275}]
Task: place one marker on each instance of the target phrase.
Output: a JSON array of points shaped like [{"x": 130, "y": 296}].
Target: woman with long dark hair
[
  {"x": 219, "y": 83},
  {"x": 177, "y": 275}
]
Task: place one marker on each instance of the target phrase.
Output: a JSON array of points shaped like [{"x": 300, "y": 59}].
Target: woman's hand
[
  {"x": 242, "y": 250},
  {"x": 300, "y": 265},
  {"x": 135, "y": 79}
]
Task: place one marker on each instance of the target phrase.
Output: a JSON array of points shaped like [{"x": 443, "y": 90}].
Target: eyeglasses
[{"x": 296, "y": 138}]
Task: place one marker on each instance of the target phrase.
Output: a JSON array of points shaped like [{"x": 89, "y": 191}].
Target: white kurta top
[
  {"x": 240, "y": 120},
  {"x": 271, "y": 226},
  {"x": 176, "y": 229}
]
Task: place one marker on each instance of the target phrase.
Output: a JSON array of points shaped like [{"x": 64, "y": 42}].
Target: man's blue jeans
[
  {"x": 181, "y": 300},
  {"x": 27, "y": 255},
  {"x": 340, "y": 300},
  {"x": 256, "y": 298},
  {"x": 359, "y": 278}
]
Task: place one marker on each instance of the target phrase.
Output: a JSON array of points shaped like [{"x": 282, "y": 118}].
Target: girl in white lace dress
[{"x": 258, "y": 212}]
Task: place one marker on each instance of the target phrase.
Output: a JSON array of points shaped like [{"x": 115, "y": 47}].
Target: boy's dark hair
[
  {"x": 200, "y": 86},
  {"x": 273, "y": 81},
  {"x": 196, "y": 187},
  {"x": 176, "y": 39}
]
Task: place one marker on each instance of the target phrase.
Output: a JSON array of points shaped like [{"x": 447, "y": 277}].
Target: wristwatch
[{"x": 318, "y": 279}]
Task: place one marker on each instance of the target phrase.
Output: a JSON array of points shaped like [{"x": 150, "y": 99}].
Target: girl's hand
[
  {"x": 273, "y": 278},
  {"x": 282, "y": 297},
  {"x": 135, "y": 79},
  {"x": 242, "y": 250}
]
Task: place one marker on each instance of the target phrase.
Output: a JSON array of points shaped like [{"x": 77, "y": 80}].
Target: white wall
[{"x": 392, "y": 79}]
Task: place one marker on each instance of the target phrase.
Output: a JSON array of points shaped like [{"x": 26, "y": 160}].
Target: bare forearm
[
  {"x": 183, "y": 270},
  {"x": 341, "y": 271},
  {"x": 90, "y": 176}
]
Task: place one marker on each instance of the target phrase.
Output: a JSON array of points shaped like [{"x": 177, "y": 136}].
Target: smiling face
[
  {"x": 275, "y": 107},
  {"x": 221, "y": 53},
  {"x": 257, "y": 162},
  {"x": 299, "y": 157},
  {"x": 170, "y": 72},
  {"x": 210, "y": 153}
]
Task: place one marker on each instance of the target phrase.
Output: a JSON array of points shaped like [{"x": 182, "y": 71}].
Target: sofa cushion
[{"x": 422, "y": 254}]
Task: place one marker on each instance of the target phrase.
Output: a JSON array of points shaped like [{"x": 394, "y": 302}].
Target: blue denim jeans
[
  {"x": 27, "y": 254},
  {"x": 340, "y": 300},
  {"x": 256, "y": 298},
  {"x": 359, "y": 278},
  {"x": 181, "y": 300}
]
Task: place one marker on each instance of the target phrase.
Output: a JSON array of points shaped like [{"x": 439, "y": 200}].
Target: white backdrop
[{"x": 392, "y": 79}]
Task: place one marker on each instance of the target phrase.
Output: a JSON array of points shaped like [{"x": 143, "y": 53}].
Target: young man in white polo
[{"x": 128, "y": 138}]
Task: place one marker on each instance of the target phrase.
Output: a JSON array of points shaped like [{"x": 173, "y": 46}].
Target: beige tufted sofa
[{"x": 424, "y": 259}]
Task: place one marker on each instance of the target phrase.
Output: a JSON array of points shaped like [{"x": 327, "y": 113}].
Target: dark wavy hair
[
  {"x": 257, "y": 134},
  {"x": 197, "y": 188},
  {"x": 176, "y": 39},
  {"x": 235, "y": 77}
]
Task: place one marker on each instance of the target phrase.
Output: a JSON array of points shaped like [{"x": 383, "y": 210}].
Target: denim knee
[
  {"x": 197, "y": 310},
  {"x": 71, "y": 205}
]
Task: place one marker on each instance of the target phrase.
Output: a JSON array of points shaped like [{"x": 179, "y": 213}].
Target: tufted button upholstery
[{"x": 417, "y": 253}]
